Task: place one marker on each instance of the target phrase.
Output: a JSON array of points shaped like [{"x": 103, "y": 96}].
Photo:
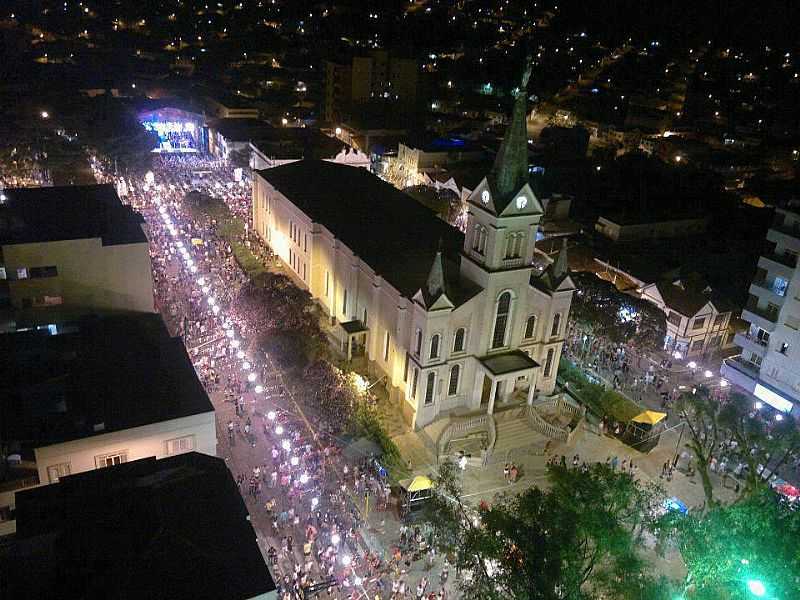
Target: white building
[
  {"x": 106, "y": 391},
  {"x": 769, "y": 365},
  {"x": 455, "y": 322},
  {"x": 697, "y": 319}
]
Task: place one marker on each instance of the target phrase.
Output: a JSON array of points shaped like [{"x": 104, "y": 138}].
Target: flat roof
[
  {"x": 108, "y": 374},
  {"x": 389, "y": 230},
  {"x": 170, "y": 528},
  {"x": 241, "y": 130},
  {"x": 295, "y": 143},
  {"x": 75, "y": 212},
  {"x": 508, "y": 362}
]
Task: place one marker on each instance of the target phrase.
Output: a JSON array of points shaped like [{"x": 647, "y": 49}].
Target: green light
[{"x": 756, "y": 587}]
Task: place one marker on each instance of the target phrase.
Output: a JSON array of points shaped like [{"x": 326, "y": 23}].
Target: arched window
[
  {"x": 418, "y": 343},
  {"x": 452, "y": 388},
  {"x": 414, "y": 381},
  {"x": 429, "y": 387},
  {"x": 501, "y": 320},
  {"x": 530, "y": 327},
  {"x": 482, "y": 241},
  {"x": 435, "y": 346},
  {"x": 556, "y": 323},
  {"x": 548, "y": 364},
  {"x": 458, "y": 340},
  {"x": 476, "y": 237}
]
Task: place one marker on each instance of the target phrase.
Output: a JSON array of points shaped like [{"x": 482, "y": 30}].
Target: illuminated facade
[
  {"x": 455, "y": 322},
  {"x": 769, "y": 364}
]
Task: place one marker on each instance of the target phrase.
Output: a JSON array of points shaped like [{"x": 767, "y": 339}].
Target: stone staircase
[{"x": 517, "y": 434}]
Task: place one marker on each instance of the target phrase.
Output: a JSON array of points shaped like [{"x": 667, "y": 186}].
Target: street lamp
[
  {"x": 338, "y": 131},
  {"x": 756, "y": 587},
  {"x": 44, "y": 114}
]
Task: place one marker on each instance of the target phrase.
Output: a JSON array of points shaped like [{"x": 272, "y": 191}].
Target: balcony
[
  {"x": 785, "y": 237},
  {"x": 778, "y": 264},
  {"x": 512, "y": 263},
  {"x": 768, "y": 291},
  {"x": 750, "y": 343},
  {"x": 740, "y": 372},
  {"x": 761, "y": 317}
]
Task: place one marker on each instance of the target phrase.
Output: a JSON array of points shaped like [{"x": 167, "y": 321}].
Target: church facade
[{"x": 455, "y": 322}]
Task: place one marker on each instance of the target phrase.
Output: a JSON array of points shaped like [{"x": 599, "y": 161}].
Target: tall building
[
  {"x": 378, "y": 75},
  {"x": 66, "y": 250},
  {"x": 769, "y": 365},
  {"x": 172, "y": 528},
  {"x": 452, "y": 321}
]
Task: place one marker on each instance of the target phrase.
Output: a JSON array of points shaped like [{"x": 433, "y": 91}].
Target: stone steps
[{"x": 516, "y": 434}]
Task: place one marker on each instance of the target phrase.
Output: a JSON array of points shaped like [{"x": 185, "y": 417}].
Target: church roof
[
  {"x": 390, "y": 231},
  {"x": 510, "y": 170},
  {"x": 556, "y": 274},
  {"x": 508, "y": 362}
]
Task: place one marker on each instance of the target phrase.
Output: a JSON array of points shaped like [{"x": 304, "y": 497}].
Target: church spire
[
  {"x": 560, "y": 264},
  {"x": 510, "y": 170},
  {"x": 435, "y": 284}
]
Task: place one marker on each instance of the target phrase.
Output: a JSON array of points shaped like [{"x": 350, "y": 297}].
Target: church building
[{"x": 456, "y": 323}]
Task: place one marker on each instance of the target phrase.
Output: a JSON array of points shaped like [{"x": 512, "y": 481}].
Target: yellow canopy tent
[
  {"x": 419, "y": 483},
  {"x": 650, "y": 417}
]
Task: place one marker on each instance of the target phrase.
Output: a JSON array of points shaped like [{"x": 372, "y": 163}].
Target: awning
[
  {"x": 508, "y": 362},
  {"x": 419, "y": 483},
  {"x": 649, "y": 417},
  {"x": 353, "y": 327}
]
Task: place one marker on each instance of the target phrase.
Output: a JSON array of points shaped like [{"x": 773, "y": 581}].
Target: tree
[
  {"x": 713, "y": 424},
  {"x": 757, "y": 539},
  {"x": 600, "y": 310},
  {"x": 576, "y": 540}
]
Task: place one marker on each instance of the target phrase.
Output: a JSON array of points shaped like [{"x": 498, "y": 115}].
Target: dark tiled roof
[
  {"x": 162, "y": 529},
  {"x": 50, "y": 214},
  {"x": 389, "y": 230},
  {"x": 121, "y": 372},
  {"x": 686, "y": 302},
  {"x": 294, "y": 143}
]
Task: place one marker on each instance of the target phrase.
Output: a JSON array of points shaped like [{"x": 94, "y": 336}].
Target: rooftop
[
  {"x": 241, "y": 130},
  {"x": 294, "y": 143},
  {"x": 389, "y": 230},
  {"x": 509, "y": 362},
  {"x": 170, "y": 528},
  {"x": 113, "y": 373},
  {"x": 50, "y": 214}
]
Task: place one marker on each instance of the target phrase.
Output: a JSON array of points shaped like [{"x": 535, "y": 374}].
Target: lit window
[
  {"x": 180, "y": 445},
  {"x": 109, "y": 460},
  {"x": 22, "y": 273},
  {"x": 56, "y": 472}
]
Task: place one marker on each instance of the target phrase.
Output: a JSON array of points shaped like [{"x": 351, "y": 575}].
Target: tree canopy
[
  {"x": 600, "y": 309},
  {"x": 576, "y": 540},
  {"x": 757, "y": 539}
]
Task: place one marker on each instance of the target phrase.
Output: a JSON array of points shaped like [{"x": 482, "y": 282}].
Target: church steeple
[
  {"x": 560, "y": 264},
  {"x": 510, "y": 170},
  {"x": 435, "y": 284}
]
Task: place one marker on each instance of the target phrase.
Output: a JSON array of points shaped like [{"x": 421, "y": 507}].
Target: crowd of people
[{"x": 308, "y": 503}]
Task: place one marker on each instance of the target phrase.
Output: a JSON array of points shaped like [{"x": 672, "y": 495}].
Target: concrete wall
[
  {"x": 643, "y": 231},
  {"x": 139, "y": 442},
  {"x": 113, "y": 277}
]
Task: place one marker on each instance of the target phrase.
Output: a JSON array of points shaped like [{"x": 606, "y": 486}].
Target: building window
[
  {"x": 418, "y": 342},
  {"x": 719, "y": 320},
  {"x": 458, "y": 340},
  {"x": 755, "y": 359},
  {"x": 697, "y": 345},
  {"x": 305, "y": 242},
  {"x": 430, "y": 384},
  {"x": 452, "y": 388},
  {"x": 39, "y": 272},
  {"x": 304, "y": 271},
  {"x": 180, "y": 445},
  {"x": 109, "y": 460},
  {"x": 414, "y": 381},
  {"x": 530, "y": 327},
  {"x": 548, "y": 363},
  {"x": 365, "y": 317},
  {"x": 405, "y": 367},
  {"x": 514, "y": 245},
  {"x": 386, "y": 347},
  {"x": 556, "y": 325},
  {"x": 56, "y": 472},
  {"x": 699, "y": 323},
  {"x": 501, "y": 320},
  {"x": 479, "y": 239},
  {"x": 674, "y": 319},
  {"x": 779, "y": 286},
  {"x": 327, "y": 284},
  {"x": 22, "y": 273},
  {"x": 435, "y": 346},
  {"x": 344, "y": 302}
]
